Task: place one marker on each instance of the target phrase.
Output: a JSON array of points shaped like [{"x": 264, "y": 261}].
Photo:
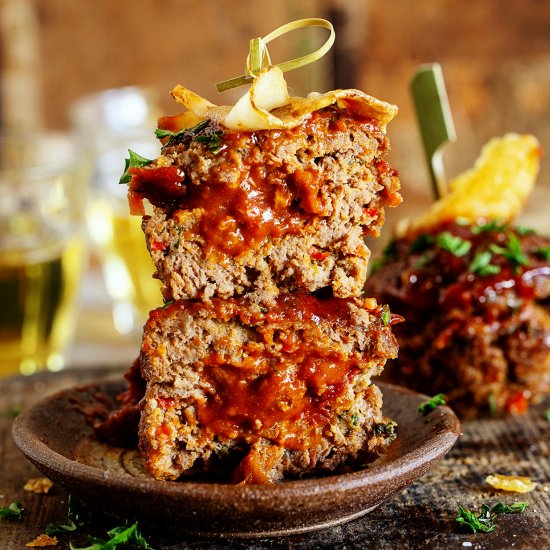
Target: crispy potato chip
[
  {"x": 495, "y": 188},
  {"x": 267, "y": 105},
  {"x": 516, "y": 484},
  {"x": 267, "y": 92},
  {"x": 38, "y": 485},
  {"x": 41, "y": 541}
]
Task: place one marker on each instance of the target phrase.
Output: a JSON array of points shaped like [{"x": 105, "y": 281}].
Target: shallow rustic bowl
[{"x": 55, "y": 436}]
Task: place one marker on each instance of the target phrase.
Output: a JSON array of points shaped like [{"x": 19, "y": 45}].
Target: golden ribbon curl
[{"x": 258, "y": 56}]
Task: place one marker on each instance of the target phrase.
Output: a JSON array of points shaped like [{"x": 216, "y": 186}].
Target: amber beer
[
  {"x": 42, "y": 248},
  {"x": 37, "y": 318}
]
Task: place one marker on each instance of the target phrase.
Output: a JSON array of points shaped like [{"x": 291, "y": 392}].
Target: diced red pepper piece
[
  {"x": 517, "y": 403},
  {"x": 135, "y": 201},
  {"x": 317, "y": 254},
  {"x": 371, "y": 212},
  {"x": 158, "y": 245}
]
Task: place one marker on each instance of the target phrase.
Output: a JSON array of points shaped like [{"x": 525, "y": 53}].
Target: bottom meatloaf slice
[{"x": 258, "y": 394}]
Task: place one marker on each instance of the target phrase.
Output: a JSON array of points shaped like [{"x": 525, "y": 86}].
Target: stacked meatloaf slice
[
  {"x": 247, "y": 371},
  {"x": 267, "y": 211},
  {"x": 270, "y": 391}
]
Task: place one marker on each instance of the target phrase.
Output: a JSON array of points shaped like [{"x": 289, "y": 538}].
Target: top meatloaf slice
[
  {"x": 257, "y": 213},
  {"x": 266, "y": 392}
]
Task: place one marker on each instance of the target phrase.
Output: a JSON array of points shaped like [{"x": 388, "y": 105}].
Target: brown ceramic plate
[{"x": 56, "y": 438}]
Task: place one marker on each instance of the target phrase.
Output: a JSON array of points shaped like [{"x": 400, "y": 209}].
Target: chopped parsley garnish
[
  {"x": 161, "y": 134},
  {"x": 198, "y": 128},
  {"x": 515, "y": 254},
  {"x": 76, "y": 517},
  {"x": 512, "y": 252},
  {"x": 190, "y": 132},
  {"x": 524, "y": 230},
  {"x": 453, "y": 243},
  {"x": 429, "y": 405},
  {"x": 177, "y": 242},
  {"x": 481, "y": 264},
  {"x": 117, "y": 536},
  {"x": 493, "y": 225},
  {"x": 167, "y": 304},
  {"x": 514, "y": 508},
  {"x": 546, "y": 415},
  {"x": 187, "y": 132},
  {"x": 386, "y": 316},
  {"x": 133, "y": 161},
  {"x": 544, "y": 253},
  {"x": 485, "y": 520},
  {"x": 202, "y": 133},
  {"x": 387, "y": 430},
  {"x": 13, "y": 511},
  {"x": 212, "y": 139}
]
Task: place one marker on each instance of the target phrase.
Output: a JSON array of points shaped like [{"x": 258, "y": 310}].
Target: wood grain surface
[{"x": 422, "y": 516}]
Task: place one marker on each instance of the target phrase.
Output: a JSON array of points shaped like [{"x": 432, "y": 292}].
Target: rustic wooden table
[{"x": 422, "y": 516}]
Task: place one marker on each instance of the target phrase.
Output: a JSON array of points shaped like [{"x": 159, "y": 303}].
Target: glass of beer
[
  {"x": 42, "y": 248},
  {"x": 114, "y": 121}
]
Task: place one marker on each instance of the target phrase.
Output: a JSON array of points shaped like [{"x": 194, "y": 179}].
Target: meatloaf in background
[
  {"x": 261, "y": 212},
  {"x": 476, "y": 300},
  {"x": 263, "y": 392}
]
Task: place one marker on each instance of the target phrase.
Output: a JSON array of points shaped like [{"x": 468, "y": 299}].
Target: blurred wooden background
[{"x": 495, "y": 56}]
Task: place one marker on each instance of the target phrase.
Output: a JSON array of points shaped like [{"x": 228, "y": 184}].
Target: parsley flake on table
[
  {"x": 76, "y": 517},
  {"x": 118, "y": 536},
  {"x": 546, "y": 415},
  {"x": 481, "y": 522},
  {"x": 12, "y": 511},
  {"x": 453, "y": 243},
  {"x": 429, "y": 405},
  {"x": 485, "y": 520}
]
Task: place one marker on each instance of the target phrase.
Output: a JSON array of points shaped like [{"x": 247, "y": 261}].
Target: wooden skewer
[{"x": 434, "y": 119}]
